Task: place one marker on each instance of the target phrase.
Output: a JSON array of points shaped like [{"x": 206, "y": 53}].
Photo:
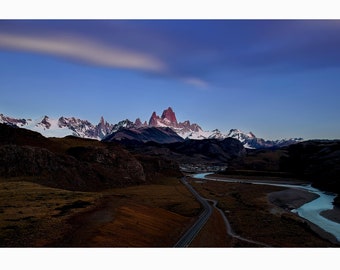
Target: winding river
[{"x": 310, "y": 211}]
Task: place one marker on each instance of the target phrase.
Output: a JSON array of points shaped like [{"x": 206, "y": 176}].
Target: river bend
[{"x": 310, "y": 211}]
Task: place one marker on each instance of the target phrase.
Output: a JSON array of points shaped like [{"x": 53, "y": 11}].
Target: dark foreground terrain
[
  {"x": 80, "y": 192},
  {"x": 315, "y": 161},
  {"x": 73, "y": 192},
  {"x": 139, "y": 216}
]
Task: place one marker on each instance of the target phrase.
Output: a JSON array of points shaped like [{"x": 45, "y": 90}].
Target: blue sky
[{"x": 276, "y": 78}]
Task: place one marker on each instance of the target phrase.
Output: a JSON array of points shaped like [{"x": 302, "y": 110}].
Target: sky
[{"x": 276, "y": 78}]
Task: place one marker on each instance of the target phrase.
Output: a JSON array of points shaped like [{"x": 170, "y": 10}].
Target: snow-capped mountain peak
[
  {"x": 240, "y": 135},
  {"x": 13, "y": 121},
  {"x": 168, "y": 119},
  {"x": 122, "y": 124},
  {"x": 62, "y": 127},
  {"x": 65, "y": 126}
]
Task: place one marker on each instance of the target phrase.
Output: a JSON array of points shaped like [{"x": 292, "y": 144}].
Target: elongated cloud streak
[
  {"x": 83, "y": 49},
  {"x": 195, "y": 82},
  {"x": 93, "y": 52}
]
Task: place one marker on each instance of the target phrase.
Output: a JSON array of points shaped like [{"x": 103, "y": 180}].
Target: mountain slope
[
  {"x": 62, "y": 127},
  {"x": 145, "y": 134}
]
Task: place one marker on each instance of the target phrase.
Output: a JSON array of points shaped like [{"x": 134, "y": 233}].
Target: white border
[
  {"x": 102, "y": 258},
  {"x": 169, "y": 9},
  {"x": 168, "y": 258}
]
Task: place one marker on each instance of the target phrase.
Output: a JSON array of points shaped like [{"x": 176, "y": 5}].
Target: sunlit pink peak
[
  {"x": 153, "y": 119},
  {"x": 170, "y": 115}
]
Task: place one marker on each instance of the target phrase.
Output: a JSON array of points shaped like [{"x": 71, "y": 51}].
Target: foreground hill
[{"x": 72, "y": 163}]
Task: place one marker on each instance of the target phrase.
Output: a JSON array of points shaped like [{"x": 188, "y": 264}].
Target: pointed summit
[
  {"x": 45, "y": 122},
  {"x": 251, "y": 135},
  {"x": 102, "y": 121},
  {"x": 170, "y": 116},
  {"x": 138, "y": 123},
  {"x": 153, "y": 120}
]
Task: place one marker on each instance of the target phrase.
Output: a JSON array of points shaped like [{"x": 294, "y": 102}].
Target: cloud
[
  {"x": 84, "y": 49},
  {"x": 196, "y": 82},
  {"x": 94, "y": 52},
  {"x": 191, "y": 52}
]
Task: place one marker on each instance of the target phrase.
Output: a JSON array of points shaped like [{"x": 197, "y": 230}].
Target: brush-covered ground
[
  {"x": 138, "y": 216},
  {"x": 153, "y": 215},
  {"x": 253, "y": 216}
]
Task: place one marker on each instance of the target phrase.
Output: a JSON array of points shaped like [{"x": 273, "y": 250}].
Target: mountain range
[{"x": 160, "y": 129}]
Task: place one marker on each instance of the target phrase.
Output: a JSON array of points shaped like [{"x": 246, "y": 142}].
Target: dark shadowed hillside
[
  {"x": 72, "y": 163},
  {"x": 145, "y": 134},
  {"x": 317, "y": 160},
  {"x": 208, "y": 151},
  {"x": 211, "y": 149}
]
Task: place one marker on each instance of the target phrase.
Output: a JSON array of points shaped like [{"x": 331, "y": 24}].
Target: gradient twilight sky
[{"x": 276, "y": 78}]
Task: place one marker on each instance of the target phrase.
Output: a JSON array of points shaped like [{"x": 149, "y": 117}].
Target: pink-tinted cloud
[
  {"x": 94, "y": 52},
  {"x": 83, "y": 49}
]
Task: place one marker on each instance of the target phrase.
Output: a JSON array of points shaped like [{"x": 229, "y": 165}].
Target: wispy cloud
[
  {"x": 197, "y": 53},
  {"x": 196, "y": 82},
  {"x": 84, "y": 49},
  {"x": 95, "y": 52}
]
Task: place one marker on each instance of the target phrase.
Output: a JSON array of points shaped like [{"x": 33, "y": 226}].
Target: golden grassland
[
  {"x": 128, "y": 225},
  {"x": 171, "y": 195},
  {"x": 139, "y": 216},
  {"x": 252, "y": 216},
  {"x": 29, "y": 212}
]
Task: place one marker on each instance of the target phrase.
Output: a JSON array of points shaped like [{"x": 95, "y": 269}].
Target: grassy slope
[
  {"x": 32, "y": 215},
  {"x": 145, "y": 216}
]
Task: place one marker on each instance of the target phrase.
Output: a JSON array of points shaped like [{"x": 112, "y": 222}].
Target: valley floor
[
  {"x": 290, "y": 197},
  {"x": 262, "y": 213},
  {"x": 150, "y": 216}
]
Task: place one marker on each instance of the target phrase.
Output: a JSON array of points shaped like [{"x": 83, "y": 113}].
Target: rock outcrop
[{"x": 85, "y": 165}]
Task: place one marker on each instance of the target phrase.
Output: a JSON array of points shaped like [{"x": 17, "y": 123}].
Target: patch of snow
[
  {"x": 53, "y": 131},
  {"x": 160, "y": 124},
  {"x": 246, "y": 145}
]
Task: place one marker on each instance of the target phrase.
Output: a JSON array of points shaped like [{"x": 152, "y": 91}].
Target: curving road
[{"x": 189, "y": 236}]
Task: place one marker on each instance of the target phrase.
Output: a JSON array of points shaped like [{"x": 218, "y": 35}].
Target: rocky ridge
[
  {"x": 139, "y": 130},
  {"x": 73, "y": 163}
]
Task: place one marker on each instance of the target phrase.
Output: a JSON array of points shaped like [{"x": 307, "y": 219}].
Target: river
[{"x": 310, "y": 211}]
